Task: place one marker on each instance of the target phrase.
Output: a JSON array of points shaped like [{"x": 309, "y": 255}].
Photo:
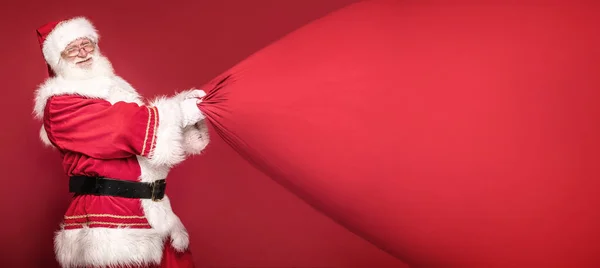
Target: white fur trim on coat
[
  {"x": 160, "y": 215},
  {"x": 104, "y": 247},
  {"x": 44, "y": 137},
  {"x": 169, "y": 139},
  {"x": 98, "y": 88},
  {"x": 64, "y": 33}
]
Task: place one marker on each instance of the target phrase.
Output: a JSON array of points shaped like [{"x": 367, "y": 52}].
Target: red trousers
[{"x": 170, "y": 259}]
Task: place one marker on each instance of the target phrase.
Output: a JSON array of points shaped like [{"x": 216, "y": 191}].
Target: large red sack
[{"x": 449, "y": 135}]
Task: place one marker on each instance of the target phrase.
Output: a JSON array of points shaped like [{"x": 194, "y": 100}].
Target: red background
[{"x": 236, "y": 216}]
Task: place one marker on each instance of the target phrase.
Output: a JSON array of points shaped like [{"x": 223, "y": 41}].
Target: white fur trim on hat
[{"x": 64, "y": 33}]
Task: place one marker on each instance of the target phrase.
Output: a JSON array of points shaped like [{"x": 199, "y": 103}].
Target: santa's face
[
  {"x": 79, "y": 52},
  {"x": 81, "y": 59}
]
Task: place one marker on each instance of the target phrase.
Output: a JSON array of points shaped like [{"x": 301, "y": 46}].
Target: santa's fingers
[
  {"x": 190, "y": 94},
  {"x": 190, "y": 112},
  {"x": 196, "y": 93}
]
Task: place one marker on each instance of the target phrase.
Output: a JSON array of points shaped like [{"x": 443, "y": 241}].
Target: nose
[{"x": 82, "y": 53}]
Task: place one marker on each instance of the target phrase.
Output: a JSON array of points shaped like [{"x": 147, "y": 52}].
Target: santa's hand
[
  {"x": 190, "y": 94},
  {"x": 190, "y": 112},
  {"x": 195, "y": 93}
]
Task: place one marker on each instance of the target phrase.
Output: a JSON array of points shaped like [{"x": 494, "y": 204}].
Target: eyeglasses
[{"x": 74, "y": 51}]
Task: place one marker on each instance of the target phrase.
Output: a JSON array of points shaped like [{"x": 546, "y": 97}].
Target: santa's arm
[
  {"x": 99, "y": 129},
  {"x": 195, "y": 137}
]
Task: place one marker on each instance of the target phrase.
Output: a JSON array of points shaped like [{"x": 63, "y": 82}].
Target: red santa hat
[{"x": 55, "y": 36}]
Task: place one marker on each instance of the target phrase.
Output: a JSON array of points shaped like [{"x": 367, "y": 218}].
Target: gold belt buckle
[{"x": 154, "y": 185}]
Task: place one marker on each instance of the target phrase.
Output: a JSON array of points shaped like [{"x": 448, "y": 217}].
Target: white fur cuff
[{"x": 168, "y": 150}]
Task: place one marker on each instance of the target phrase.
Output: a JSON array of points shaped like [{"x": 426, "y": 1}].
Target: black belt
[{"x": 128, "y": 189}]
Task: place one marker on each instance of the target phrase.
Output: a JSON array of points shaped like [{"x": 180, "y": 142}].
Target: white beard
[{"x": 100, "y": 67}]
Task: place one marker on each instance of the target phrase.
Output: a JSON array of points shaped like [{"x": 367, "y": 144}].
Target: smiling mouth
[{"x": 84, "y": 61}]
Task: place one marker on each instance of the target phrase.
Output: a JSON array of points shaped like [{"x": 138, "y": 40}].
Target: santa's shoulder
[
  {"x": 91, "y": 88},
  {"x": 41, "y": 95}
]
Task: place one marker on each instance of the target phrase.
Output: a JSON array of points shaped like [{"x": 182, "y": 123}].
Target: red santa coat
[{"x": 102, "y": 128}]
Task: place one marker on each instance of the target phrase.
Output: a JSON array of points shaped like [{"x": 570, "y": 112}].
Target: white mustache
[{"x": 87, "y": 58}]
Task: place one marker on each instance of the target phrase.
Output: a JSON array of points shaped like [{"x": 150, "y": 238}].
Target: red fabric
[
  {"x": 96, "y": 211},
  {"x": 44, "y": 30},
  {"x": 174, "y": 259},
  {"x": 100, "y": 139},
  {"x": 463, "y": 136},
  {"x": 42, "y": 33},
  {"x": 97, "y": 129}
]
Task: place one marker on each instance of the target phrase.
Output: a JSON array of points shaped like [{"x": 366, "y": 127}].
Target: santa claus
[{"x": 117, "y": 151}]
